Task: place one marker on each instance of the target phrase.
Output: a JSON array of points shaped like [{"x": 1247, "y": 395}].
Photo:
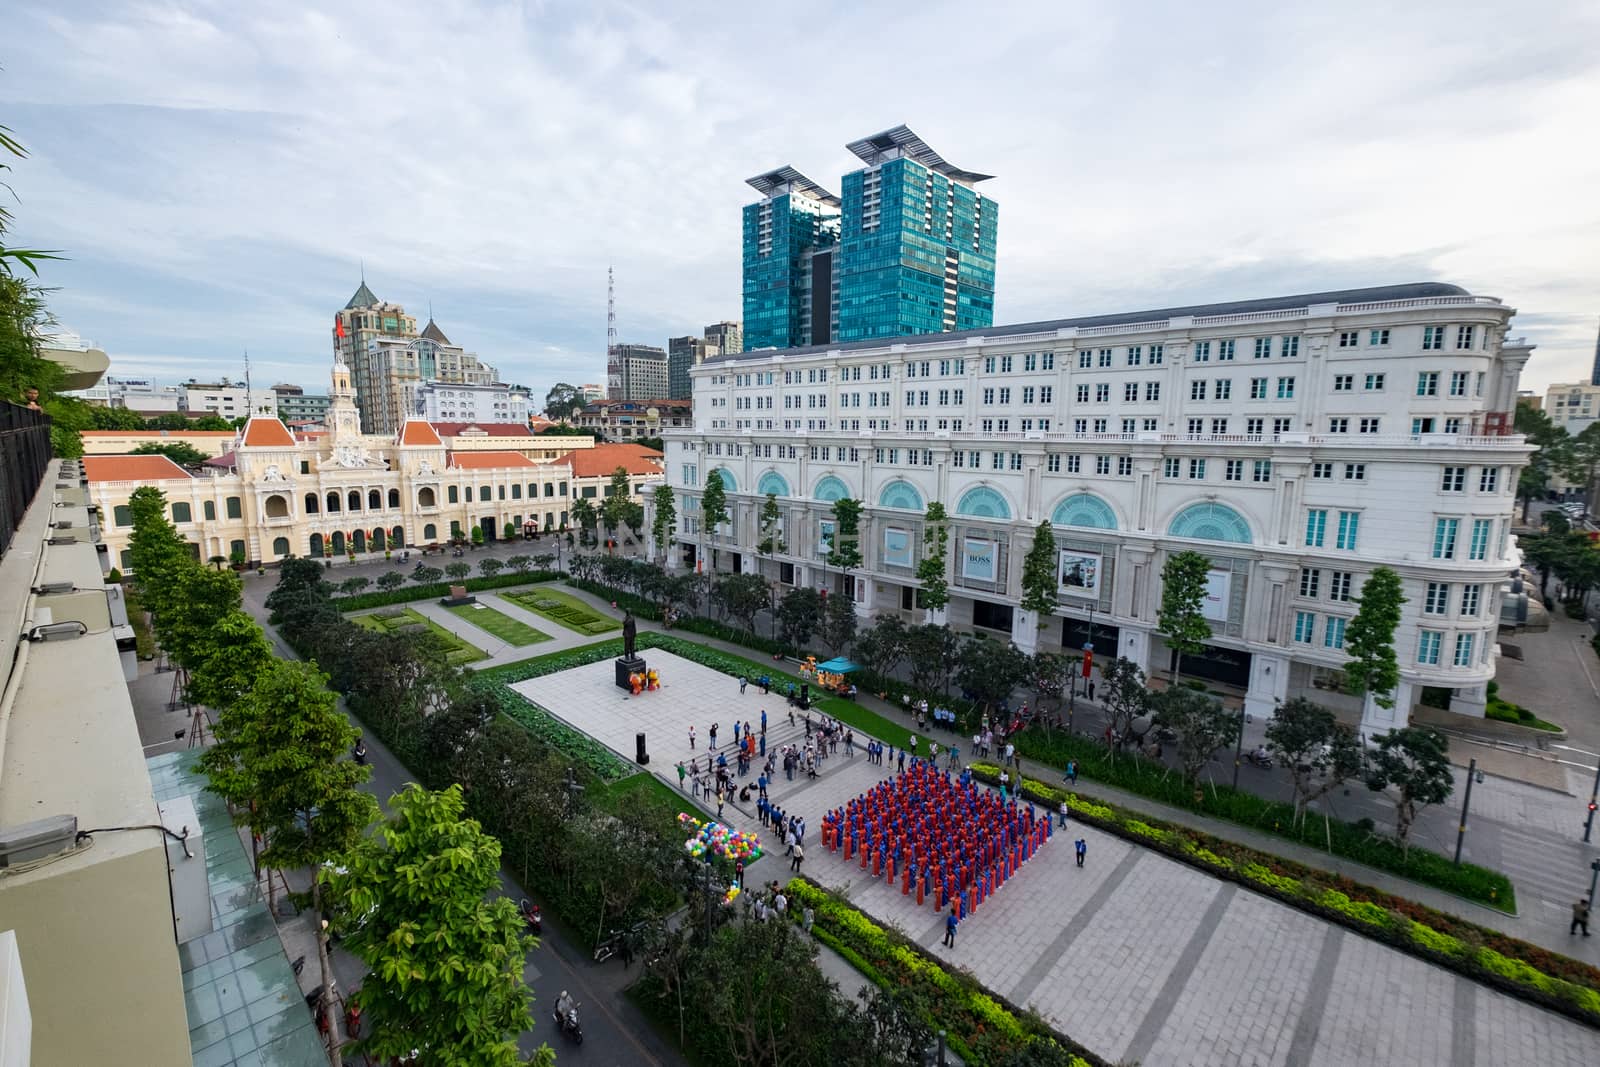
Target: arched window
[
  {"x": 355, "y": 500},
  {"x": 430, "y": 533},
  {"x": 426, "y": 498},
  {"x": 454, "y": 495},
  {"x": 394, "y": 498},
  {"x": 1211, "y": 522},
  {"x": 774, "y": 483},
  {"x": 280, "y": 546},
  {"x": 316, "y": 546},
  {"x": 398, "y": 536},
  {"x": 900, "y": 494},
  {"x": 484, "y": 493},
  {"x": 236, "y": 551},
  {"x": 358, "y": 541},
  {"x": 277, "y": 507},
  {"x": 983, "y": 503},
  {"x": 1084, "y": 509},
  {"x": 338, "y": 542},
  {"x": 122, "y": 515},
  {"x": 830, "y": 489},
  {"x": 728, "y": 481},
  {"x": 379, "y": 541},
  {"x": 374, "y": 500},
  {"x": 333, "y": 502},
  {"x": 311, "y": 504}
]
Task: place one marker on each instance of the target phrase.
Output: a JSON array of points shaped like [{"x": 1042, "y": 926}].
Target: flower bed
[
  {"x": 1515, "y": 967},
  {"x": 981, "y": 1026}
]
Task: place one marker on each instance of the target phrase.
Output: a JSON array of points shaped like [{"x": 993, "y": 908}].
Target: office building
[
  {"x": 728, "y": 337},
  {"x": 684, "y": 354},
  {"x": 641, "y": 372},
  {"x": 226, "y": 399},
  {"x": 461, "y": 402},
  {"x": 142, "y": 395},
  {"x": 398, "y": 367},
  {"x": 1295, "y": 441},
  {"x": 592, "y": 391},
  {"x": 295, "y": 405},
  {"x": 362, "y": 321},
  {"x": 1572, "y": 407},
  {"x": 795, "y": 219},
  {"x": 622, "y": 420}
]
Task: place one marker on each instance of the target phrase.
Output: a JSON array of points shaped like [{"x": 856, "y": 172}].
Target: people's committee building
[{"x": 1296, "y": 441}]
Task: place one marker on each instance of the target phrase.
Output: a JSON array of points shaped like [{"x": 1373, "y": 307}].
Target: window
[
  {"x": 1074, "y": 464},
  {"x": 1463, "y": 656},
  {"x": 1344, "y": 383},
  {"x": 1263, "y": 348},
  {"x": 122, "y": 515},
  {"x": 1103, "y": 357},
  {"x": 1373, "y": 383},
  {"x": 1349, "y": 526},
  {"x": 1102, "y": 464},
  {"x": 1349, "y": 339},
  {"x": 1005, "y": 393},
  {"x": 1083, "y": 394},
  {"x": 997, "y": 461},
  {"x": 1196, "y": 426},
  {"x": 1437, "y": 600},
  {"x": 1310, "y": 580},
  {"x": 1170, "y": 467},
  {"x": 1454, "y": 480},
  {"x": 1339, "y": 424},
  {"x": 1464, "y": 340},
  {"x": 1422, "y": 425},
  {"x": 1047, "y": 361},
  {"x": 1135, "y": 355},
  {"x": 1046, "y": 394},
  {"x": 182, "y": 513},
  {"x": 1125, "y": 465},
  {"x": 1130, "y": 391},
  {"x": 1339, "y": 585},
  {"x": 1378, "y": 337},
  {"x": 1305, "y": 624},
  {"x": 1355, "y": 472},
  {"x": 235, "y": 507},
  {"x": 1369, "y": 425},
  {"x": 1252, "y": 427},
  {"x": 1432, "y": 340},
  {"x": 1471, "y": 596},
  {"x": 1333, "y": 635},
  {"x": 1027, "y": 394},
  {"x": 1428, "y": 642},
  {"x": 1219, "y": 426},
  {"x": 209, "y": 509},
  {"x": 1452, "y": 425},
  {"x": 1428, "y": 383},
  {"x": 1085, "y": 360},
  {"x": 1458, "y": 383},
  {"x": 1444, "y": 538},
  {"x": 1224, "y": 350},
  {"x": 1477, "y": 387},
  {"x": 988, "y": 364},
  {"x": 1258, "y": 388},
  {"x": 1005, "y": 365},
  {"x": 1052, "y": 463},
  {"x": 1289, "y": 347},
  {"x": 1489, "y": 480},
  {"x": 1202, "y": 351},
  {"x": 1478, "y": 547},
  {"x": 1262, "y": 472},
  {"x": 1234, "y": 471},
  {"x": 1316, "y": 527},
  {"x": 1224, "y": 388},
  {"x": 1102, "y": 393},
  {"x": 1197, "y": 468},
  {"x": 1322, "y": 470},
  {"x": 1285, "y": 388}
]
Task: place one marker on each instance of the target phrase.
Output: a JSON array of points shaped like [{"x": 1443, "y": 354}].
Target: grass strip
[{"x": 498, "y": 623}]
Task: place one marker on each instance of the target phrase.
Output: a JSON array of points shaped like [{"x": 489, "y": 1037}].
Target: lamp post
[
  {"x": 1466, "y": 802},
  {"x": 1594, "y": 794}
]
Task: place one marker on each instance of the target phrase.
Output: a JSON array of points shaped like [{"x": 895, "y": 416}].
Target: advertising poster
[
  {"x": 1215, "y": 605},
  {"x": 825, "y": 528},
  {"x": 1079, "y": 573},
  {"x": 978, "y": 559},
  {"x": 897, "y": 547}
]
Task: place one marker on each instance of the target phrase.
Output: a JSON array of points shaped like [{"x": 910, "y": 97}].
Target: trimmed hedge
[
  {"x": 382, "y": 598},
  {"x": 695, "y": 624},
  {"x": 981, "y": 1026},
  {"x": 1516, "y": 967},
  {"x": 583, "y": 749}
]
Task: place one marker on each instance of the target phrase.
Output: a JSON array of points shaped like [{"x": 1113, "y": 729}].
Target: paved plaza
[{"x": 1135, "y": 955}]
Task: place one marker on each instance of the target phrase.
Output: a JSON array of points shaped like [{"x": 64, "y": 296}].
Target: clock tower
[{"x": 344, "y": 419}]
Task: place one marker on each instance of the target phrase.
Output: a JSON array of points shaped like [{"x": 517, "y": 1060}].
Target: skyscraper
[
  {"x": 642, "y": 371},
  {"x": 364, "y": 319},
  {"x": 917, "y": 249},
  {"x": 1594, "y": 375},
  {"x": 795, "y": 219},
  {"x": 684, "y": 354},
  {"x": 727, "y": 336}
]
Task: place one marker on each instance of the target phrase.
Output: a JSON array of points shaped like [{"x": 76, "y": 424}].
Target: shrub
[
  {"x": 114, "y": 576},
  {"x": 433, "y": 591}
]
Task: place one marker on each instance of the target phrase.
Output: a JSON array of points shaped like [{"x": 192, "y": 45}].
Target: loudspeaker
[
  {"x": 640, "y": 755},
  {"x": 805, "y": 694}
]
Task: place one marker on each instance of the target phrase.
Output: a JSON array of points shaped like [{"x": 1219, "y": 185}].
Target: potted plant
[
  {"x": 477, "y": 537},
  {"x": 237, "y": 558}
]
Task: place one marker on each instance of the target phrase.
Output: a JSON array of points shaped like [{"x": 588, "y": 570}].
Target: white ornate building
[{"x": 1295, "y": 441}]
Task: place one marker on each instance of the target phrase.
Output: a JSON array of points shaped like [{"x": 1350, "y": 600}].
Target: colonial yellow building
[{"x": 282, "y": 494}]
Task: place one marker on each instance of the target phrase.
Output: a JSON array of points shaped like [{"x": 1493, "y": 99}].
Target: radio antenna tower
[
  {"x": 248, "y": 395},
  {"x": 613, "y": 370}
]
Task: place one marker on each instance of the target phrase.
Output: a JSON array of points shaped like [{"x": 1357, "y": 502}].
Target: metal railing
[{"x": 24, "y": 458}]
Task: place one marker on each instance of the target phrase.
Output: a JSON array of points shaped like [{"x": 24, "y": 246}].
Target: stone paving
[{"x": 1137, "y": 956}]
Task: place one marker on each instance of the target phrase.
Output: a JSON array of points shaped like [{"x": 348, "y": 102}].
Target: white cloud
[{"x": 216, "y": 170}]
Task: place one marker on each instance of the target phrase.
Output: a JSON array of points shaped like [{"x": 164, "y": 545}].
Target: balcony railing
[{"x": 24, "y": 456}]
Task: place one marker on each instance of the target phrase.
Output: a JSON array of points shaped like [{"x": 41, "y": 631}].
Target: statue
[{"x": 630, "y": 634}]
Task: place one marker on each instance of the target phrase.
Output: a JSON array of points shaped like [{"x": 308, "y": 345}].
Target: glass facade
[{"x": 780, "y": 233}]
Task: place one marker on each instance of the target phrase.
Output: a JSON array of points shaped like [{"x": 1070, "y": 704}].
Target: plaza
[{"x": 1134, "y": 955}]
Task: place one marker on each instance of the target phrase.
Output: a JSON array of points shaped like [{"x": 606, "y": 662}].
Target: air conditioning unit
[{"x": 29, "y": 841}]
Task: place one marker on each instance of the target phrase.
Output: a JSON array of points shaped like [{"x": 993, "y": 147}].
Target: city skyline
[{"x": 1237, "y": 156}]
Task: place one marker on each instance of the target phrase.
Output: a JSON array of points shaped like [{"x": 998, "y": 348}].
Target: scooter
[
  {"x": 360, "y": 753},
  {"x": 568, "y": 1025},
  {"x": 1257, "y": 760},
  {"x": 531, "y": 915}
]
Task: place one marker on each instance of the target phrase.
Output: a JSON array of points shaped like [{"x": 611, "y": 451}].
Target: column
[
  {"x": 1025, "y": 630},
  {"x": 1269, "y": 684},
  {"x": 1133, "y": 645},
  {"x": 1377, "y": 720},
  {"x": 1471, "y": 700}
]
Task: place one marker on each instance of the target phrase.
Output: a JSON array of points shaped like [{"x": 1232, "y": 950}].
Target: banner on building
[
  {"x": 897, "y": 546},
  {"x": 1078, "y": 573},
  {"x": 978, "y": 559},
  {"x": 1219, "y": 584}
]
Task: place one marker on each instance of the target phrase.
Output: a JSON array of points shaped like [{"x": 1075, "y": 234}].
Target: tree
[
  {"x": 490, "y": 567},
  {"x": 585, "y": 515},
  {"x": 619, "y": 495},
  {"x": 771, "y": 543},
  {"x": 1553, "y": 456},
  {"x": 713, "y": 510},
  {"x": 508, "y": 532},
  {"x": 882, "y": 646},
  {"x": 1048, "y": 674},
  {"x": 352, "y": 586},
  {"x": 930, "y": 569},
  {"x": 563, "y": 401},
  {"x": 477, "y": 537},
  {"x": 741, "y": 596},
  {"x": 837, "y": 628},
  {"x": 1320, "y": 752},
  {"x": 666, "y": 520},
  {"x": 520, "y": 563},
  {"x": 427, "y": 575},
  {"x": 225, "y": 669},
  {"x": 931, "y": 651},
  {"x": 1180, "y": 622},
  {"x": 445, "y": 956},
  {"x": 1039, "y": 572},
  {"x": 180, "y": 452},
  {"x": 1200, "y": 722},
  {"x": 207, "y": 422},
  {"x": 1123, "y": 691},
  {"x": 391, "y": 580},
  {"x": 845, "y": 552},
  {"x": 798, "y": 615},
  {"x": 115, "y": 419},
  {"x": 280, "y": 758},
  {"x": 1583, "y": 464},
  {"x": 1412, "y": 761},
  {"x": 458, "y": 571},
  {"x": 1373, "y": 672},
  {"x": 988, "y": 672}
]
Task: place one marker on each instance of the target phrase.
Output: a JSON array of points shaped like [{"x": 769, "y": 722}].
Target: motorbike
[
  {"x": 568, "y": 1025},
  {"x": 531, "y": 915},
  {"x": 1255, "y": 759},
  {"x": 360, "y": 753}
]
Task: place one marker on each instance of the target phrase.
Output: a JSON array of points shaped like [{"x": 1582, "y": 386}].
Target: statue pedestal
[{"x": 627, "y": 665}]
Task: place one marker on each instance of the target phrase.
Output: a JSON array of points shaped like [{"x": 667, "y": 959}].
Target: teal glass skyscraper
[{"x": 783, "y": 233}]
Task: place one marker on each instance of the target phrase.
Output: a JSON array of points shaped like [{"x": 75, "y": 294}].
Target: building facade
[
  {"x": 360, "y": 322},
  {"x": 592, "y": 391},
  {"x": 683, "y": 355},
  {"x": 795, "y": 218},
  {"x": 1295, "y": 441},
  {"x": 728, "y": 337},
  {"x": 230, "y": 400},
  {"x": 142, "y": 395},
  {"x": 295, "y": 405},
  {"x": 399, "y": 367},
  {"x": 461, "y": 402},
  {"x": 1574, "y": 406},
  {"x": 641, "y": 372},
  {"x": 623, "y": 420}
]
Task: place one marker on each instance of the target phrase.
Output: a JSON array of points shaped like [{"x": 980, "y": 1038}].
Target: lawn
[
  {"x": 390, "y": 621},
  {"x": 566, "y": 610},
  {"x": 498, "y": 623}
]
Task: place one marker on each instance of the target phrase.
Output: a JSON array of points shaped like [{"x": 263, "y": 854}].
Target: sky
[{"x": 218, "y": 173}]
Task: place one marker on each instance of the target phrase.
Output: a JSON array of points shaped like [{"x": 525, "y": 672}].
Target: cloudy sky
[{"x": 217, "y": 172}]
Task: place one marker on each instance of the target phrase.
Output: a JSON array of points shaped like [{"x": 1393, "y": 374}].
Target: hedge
[
  {"x": 981, "y": 1026},
  {"x": 697, "y": 624},
  {"x": 382, "y": 598},
  {"x": 1513, "y": 966}
]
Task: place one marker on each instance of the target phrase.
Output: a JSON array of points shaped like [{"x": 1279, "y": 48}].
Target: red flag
[
  {"x": 338, "y": 327},
  {"x": 1088, "y": 660}
]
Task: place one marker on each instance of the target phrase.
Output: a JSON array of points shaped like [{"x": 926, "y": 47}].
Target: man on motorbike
[{"x": 564, "y": 1005}]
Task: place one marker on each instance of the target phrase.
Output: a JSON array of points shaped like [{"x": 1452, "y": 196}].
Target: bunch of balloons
[{"x": 719, "y": 840}]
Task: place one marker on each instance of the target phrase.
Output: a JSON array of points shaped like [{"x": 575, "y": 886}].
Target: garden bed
[
  {"x": 411, "y": 591},
  {"x": 499, "y": 624},
  {"x": 457, "y": 651},
  {"x": 1515, "y": 967},
  {"x": 567, "y": 611}
]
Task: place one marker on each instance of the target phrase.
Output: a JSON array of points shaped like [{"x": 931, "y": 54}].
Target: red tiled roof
[
  {"x": 418, "y": 432},
  {"x": 477, "y": 461},
  {"x": 487, "y": 429},
  {"x": 601, "y": 461},
  {"x": 131, "y": 468},
  {"x": 226, "y": 460},
  {"x": 265, "y": 431}
]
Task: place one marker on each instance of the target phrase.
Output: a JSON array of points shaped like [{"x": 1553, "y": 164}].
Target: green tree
[
  {"x": 585, "y": 515},
  {"x": 990, "y": 671},
  {"x": 837, "y": 627},
  {"x": 1123, "y": 692},
  {"x": 845, "y": 552},
  {"x": 520, "y": 563},
  {"x": 1414, "y": 762},
  {"x": 280, "y": 758},
  {"x": 180, "y": 452},
  {"x": 459, "y": 570},
  {"x": 1180, "y": 622},
  {"x": 1373, "y": 672},
  {"x": 477, "y": 537},
  {"x": 508, "y": 532},
  {"x": 713, "y": 510},
  {"x": 389, "y": 581},
  {"x": 445, "y": 956},
  {"x": 619, "y": 495},
  {"x": 115, "y": 419},
  {"x": 225, "y": 669},
  {"x": 490, "y": 566},
  {"x": 1583, "y": 464},
  {"x": 353, "y": 585},
  {"x": 1553, "y": 455},
  {"x": 665, "y": 523},
  {"x": 1319, "y": 751},
  {"x": 741, "y": 596},
  {"x": 931, "y": 568},
  {"x": 930, "y": 652},
  {"x": 427, "y": 575},
  {"x": 883, "y": 646},
  {"x": 211, "y": 422},
  {"x": 563, "y": 401},
  {"x": 1201, "y": 723},
  {"x": 799, "y": 613},
  {"x": 771, "y": 543},
  {"x": 1039, "y": 572}
]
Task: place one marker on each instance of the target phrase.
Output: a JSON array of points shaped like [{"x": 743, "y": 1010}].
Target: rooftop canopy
[
  {"x": 775, "y": 181},
  {"x": 901, "y": 142}
]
